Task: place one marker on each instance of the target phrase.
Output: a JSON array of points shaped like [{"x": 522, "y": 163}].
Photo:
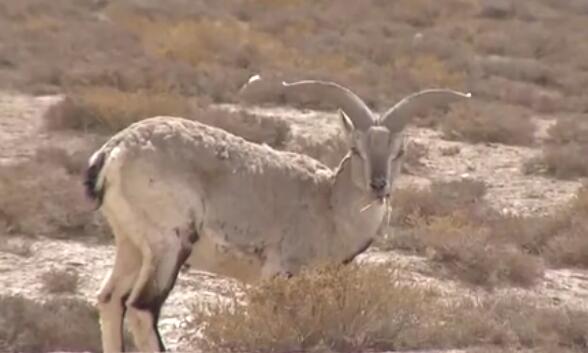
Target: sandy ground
[{"x": 497, "y": 165}]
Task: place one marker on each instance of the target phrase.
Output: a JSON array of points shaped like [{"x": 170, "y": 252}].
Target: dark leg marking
[
  {"x": 152, "y": 300},
  {"x": 123, "y": 300}
]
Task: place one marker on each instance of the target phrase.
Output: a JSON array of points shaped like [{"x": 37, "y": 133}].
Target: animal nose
[{"x": 378, "y": 184}]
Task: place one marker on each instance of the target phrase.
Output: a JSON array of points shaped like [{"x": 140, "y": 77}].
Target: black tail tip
[{"x": 91, "y": 179}]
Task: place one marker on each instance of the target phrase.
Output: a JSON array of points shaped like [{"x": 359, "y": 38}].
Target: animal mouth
[{"x": 381, "y": 200}]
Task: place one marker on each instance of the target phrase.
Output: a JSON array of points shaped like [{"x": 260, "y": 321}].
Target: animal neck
[{"x": 357, "y": 217}]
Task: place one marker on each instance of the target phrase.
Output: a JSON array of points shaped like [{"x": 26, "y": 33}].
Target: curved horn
[
  {"x": 357, "y": 111},
  {"x": 396, "y": 118}
]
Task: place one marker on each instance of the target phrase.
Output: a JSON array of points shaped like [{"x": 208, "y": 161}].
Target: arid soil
[{"x": 498, "y": 165}]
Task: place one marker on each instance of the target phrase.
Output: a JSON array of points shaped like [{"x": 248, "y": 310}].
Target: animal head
[{"x": 376, "y": 141}]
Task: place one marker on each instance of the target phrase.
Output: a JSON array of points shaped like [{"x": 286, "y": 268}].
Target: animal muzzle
[{"x": 380, "y": 187}]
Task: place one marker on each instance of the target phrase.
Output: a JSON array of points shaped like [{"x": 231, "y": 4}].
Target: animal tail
[{"x": 93, "y": 182}]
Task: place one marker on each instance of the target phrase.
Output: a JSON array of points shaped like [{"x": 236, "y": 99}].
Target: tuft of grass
[
  {"x": 451, "y": 224},
  {"x": 567, "y": 244},
  {"x": 60, "y": 281},
  {"x": 341, "y": 308},
  {"x": 428, "y": 70},
  {"x": 487, "y": 122},
  {"x": 112, "y": 109},
  {"x": 41, "y": 197},
  {"x": 412, "y": 160},
  {"x": 564, "y": 154},
  {"x": 353, "y": 308},
  {"x": 59, "y": 324},
  {"x": 412, "y": 206}
]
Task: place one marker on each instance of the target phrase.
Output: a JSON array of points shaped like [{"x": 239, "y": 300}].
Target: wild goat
[{"x": 172, "y": 188}]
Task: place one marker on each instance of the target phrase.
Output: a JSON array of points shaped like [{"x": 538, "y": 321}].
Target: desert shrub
[
  {"x": 412, "y": 158},
  {"x": 346, "y": 309},
  {"x": 564, "y": 161},
  {"x": 59, "y": 324},
  {"x": 519, "y": 69},
  {"x": 452, "y": 224},
  {"x": 353, "y": 308},
  {"x": 564, "y": 153},
  {"x": 111, "y": 109},
  {"x": 56, "y": 281},
  {"x": 39, "y": 197},
  {"x": 522, "y": 94},
  {"x": 486, "y": 122},
  {"x": 412, "y": 206},
  {"x": 568, "y": 244}
]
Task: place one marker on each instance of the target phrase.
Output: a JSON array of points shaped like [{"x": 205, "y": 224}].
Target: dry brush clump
[
  {"x": 57, "y": 324},
  {"x": 111, "y": 109},
  {"x": 488, "y": 122},
  {"x": 44, "y": 197},
  {"x": 353, "y": 308},
  {"x": 60, "y": 281},
  {"x": 345, "y": 309},
  {"x": 452, "y": 224},
  {"x": 564, "y": 153}
]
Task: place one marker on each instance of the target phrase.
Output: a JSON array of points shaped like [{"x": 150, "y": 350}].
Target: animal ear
[{"x": 346, "y": 122}]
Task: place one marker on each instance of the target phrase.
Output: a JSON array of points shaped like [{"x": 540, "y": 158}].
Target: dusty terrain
[{"x": 120, "y": 62}]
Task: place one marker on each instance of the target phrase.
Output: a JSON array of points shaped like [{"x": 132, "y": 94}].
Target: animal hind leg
[
  {"x": 113, "y": 292},
  {"x": 144, "y": 309}
]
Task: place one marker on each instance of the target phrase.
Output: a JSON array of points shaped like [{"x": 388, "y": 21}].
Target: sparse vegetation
[
  {"x": 59, "y": 324},
  {"x": 350, "y": 309},
  {"x": 42, "y": 197},
  {"x": 451, "y": 223},
  {"x": 111, "y": 109},
  {"x": 57, "y": 281},
  {"x": 564, "y": 153},
  {"x": 485, "y": 122}
]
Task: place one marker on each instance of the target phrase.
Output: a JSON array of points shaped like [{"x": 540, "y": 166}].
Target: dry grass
[
  {"x": 564, "y": 153},
  {"x": 111, "y": 109},
  {"x": 352, "y": 308},
  {"x": 451, "y": 224},
  {"x": 59, "y": 324},
  {"x": 412, "y": 159},
  {"x": 334, "y": 307},
  {"x": 57, "y": 281},
  {"x": 566, "y": 244},
  {"x": 43, "y": 197},
  {"x": 488, "y": 123}
]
